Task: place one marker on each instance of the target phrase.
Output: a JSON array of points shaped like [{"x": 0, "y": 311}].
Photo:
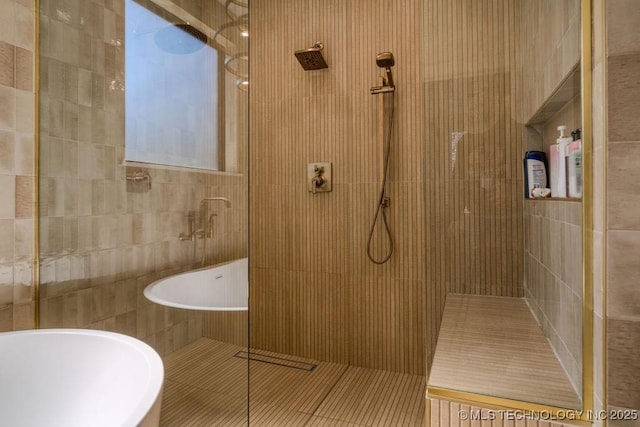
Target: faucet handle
[{"x": 319, "y": 177}]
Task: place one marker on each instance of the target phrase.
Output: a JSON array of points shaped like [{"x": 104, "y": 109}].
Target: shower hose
[{"x": 383, "y": 201}]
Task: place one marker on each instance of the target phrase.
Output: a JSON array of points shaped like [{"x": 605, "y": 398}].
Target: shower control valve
[{"x": 319, "y": 177}]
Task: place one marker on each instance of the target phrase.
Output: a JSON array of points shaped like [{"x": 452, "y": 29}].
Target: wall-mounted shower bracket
[{"x": 319, "y": 177}]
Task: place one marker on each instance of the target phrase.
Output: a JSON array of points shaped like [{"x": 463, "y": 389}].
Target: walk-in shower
[
  {"x": 384, "y": 60},
  {"x": 353, "y": 281}
]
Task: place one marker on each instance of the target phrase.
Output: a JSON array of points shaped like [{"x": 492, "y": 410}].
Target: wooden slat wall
[
  {"x": 314, "y": 293},
  {"x": 474, "y": 231},
  {"x": 474, "y": 210}
]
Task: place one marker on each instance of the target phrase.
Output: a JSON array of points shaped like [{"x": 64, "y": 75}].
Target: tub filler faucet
[
  {"x": 205, "y": 218},
  {"x": 206, "y": 222}
]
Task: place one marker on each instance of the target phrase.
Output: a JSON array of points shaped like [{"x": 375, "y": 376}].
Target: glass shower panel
[
  {"x": 499, "y": 78},
  {"x": 110, "y": 224}
]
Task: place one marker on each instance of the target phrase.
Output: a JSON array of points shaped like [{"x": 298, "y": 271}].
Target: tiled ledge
[{"x": 492, "y": 346}]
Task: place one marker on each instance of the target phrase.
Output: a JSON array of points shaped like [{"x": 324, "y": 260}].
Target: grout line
[{"x": 329, "y": 391}]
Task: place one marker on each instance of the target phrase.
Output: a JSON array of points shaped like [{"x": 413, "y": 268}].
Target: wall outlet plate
[{"x": 325, "y": 171}]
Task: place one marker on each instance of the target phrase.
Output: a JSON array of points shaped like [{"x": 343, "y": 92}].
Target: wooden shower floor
[{"x": 206, "y": 385}]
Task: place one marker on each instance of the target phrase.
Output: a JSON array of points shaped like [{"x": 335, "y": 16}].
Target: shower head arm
[{"x": 389, "y": 81}]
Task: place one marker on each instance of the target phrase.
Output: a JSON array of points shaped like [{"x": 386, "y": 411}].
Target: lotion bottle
[
  {"x": 558, "y": 164},
  {"x": 574, "y": 153}
]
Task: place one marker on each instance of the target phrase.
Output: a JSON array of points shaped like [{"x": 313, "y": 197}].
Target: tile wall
[
  {"x": 622, "y": 227},
  {"x": 103, "y": 239},
  {"x": 553, "y": 277},
  {"x": 17, "y": 174},
  {"x": 549, "y": 41},
  {"x": 550, "y": 51}
]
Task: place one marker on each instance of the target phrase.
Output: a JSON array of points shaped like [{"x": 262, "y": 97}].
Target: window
[{"x": 173, "y": 94}]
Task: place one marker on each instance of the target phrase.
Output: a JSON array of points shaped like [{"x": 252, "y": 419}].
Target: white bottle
[
  {"x": 558, "y": 164},
  {"x": 574, "y": 152}
]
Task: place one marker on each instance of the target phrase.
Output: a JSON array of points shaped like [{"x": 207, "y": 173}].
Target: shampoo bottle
[
  {"x": 535, "y": 171},
  {"x": 558, "y": 164},
  {"x": 574, "y": 152}
]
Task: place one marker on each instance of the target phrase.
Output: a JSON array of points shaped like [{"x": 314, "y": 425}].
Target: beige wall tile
[
  {"x": 623, "y": 275},
  {"x": 24, "y": 69},
  {"x": 623, "y": 16},
  {"x": 7, "y": 64},
  {"x": 6, "y": 319},
  {"x": 7, "y": 152},
  {"x": 6, "y": 240},
  {"x": 7, "y": 196},
  {"x": 623, "y": 201},
  {"x": 24, "y": 194},
  {"x": 7, "y": 108},
  {"x": 623, "y": 97},
  {"x": 23, "y": 316},
  {"x": 6, "y": 285},
  {"x": 7, "y": 21},
  {"x": 25, "y": 111},
  {"x": 24, "y": 25},
  {"x": 623, "y": 363},
  {"x": 24, "y": 159}
]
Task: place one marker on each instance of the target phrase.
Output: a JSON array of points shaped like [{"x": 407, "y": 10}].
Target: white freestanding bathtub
[
  {"x": 78, "y": 377},
  {"x": 222, "y": 287}
]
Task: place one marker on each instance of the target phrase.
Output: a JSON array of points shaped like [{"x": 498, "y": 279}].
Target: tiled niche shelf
[
  {"x": 557, "y": 199},
  {"x": 565, "y": 93}
]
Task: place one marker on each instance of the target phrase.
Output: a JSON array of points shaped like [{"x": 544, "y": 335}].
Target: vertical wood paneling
[
  {"x": 455, "y": 221},
  {"x": 314, "y": 293},
  {"x": 473, "y": 187}
]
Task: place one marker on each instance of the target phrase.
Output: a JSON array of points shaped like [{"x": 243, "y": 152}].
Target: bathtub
[
  {"x": 222, "y": 287},
  {"x": 78, "y": 377}
]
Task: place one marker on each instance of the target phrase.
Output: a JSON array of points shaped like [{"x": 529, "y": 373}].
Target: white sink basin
[{"x": 78, "y": 377}]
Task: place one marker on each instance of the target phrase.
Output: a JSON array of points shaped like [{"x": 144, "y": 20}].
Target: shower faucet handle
[{"x": 319, "y": 177}]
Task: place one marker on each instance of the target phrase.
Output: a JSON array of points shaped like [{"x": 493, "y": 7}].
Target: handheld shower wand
[{"x": 384, "y": 60}]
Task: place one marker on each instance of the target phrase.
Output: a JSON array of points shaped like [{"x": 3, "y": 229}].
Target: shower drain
[{"x": 273, "y": 360}]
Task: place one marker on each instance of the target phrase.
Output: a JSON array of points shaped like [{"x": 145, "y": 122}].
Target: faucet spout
[{"x": 206, "y": 221}]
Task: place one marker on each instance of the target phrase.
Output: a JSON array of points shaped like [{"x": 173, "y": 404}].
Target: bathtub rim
[
  {"x": 146, "y": 411},
  {"x": 147, "y": 292}
]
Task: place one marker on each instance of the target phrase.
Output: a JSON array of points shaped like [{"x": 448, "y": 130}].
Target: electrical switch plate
[{"x": 326, "y": 173}]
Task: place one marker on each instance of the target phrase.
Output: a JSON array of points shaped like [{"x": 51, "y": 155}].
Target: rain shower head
[
  {"x": 180, "y": 39},
  {"x": 312, "y": 59},
  {"x": 385, "y": 60}
]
